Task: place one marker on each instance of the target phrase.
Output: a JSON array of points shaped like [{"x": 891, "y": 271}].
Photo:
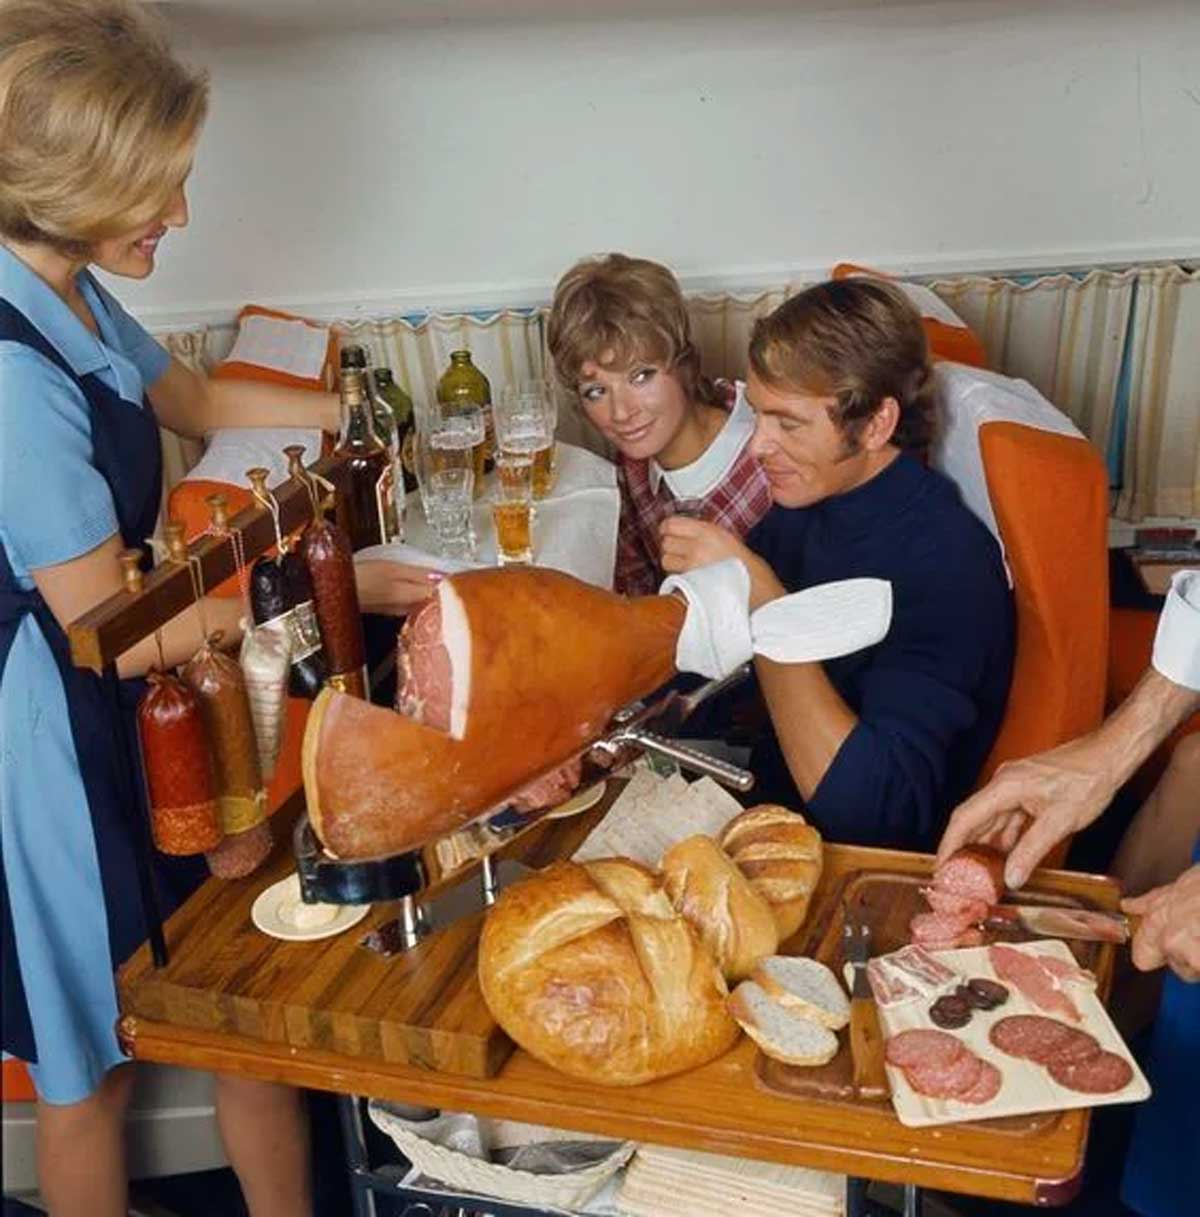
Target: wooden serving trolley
[{"x": 209, "y": 991}]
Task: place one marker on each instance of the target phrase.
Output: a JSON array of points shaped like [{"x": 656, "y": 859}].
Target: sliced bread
[
  {"x": 783, "y": 1034},
  {"x": 805, "y": 986}
]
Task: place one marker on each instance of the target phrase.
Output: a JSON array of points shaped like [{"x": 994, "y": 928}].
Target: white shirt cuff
[{"x": 1177, "y": 643}]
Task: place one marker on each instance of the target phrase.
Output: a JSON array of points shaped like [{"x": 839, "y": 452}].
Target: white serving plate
[
  {"x": 274, "y": 912},
  {"x": 1027, "y": 1088}
]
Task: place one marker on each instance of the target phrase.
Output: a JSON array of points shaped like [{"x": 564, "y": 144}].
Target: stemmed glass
[{"x": 446, "y": 478}]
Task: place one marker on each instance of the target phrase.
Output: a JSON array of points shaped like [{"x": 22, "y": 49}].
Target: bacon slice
[{"x": 1028, "y": 972}]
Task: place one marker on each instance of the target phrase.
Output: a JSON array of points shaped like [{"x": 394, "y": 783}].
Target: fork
[{"x": 866, "y": 1035}]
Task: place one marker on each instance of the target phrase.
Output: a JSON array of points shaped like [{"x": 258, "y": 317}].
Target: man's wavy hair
[{"x": 858, "y": 340}]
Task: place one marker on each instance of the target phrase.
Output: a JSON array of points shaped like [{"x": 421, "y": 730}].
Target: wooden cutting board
[
  {"x": 421, "y": 1008},
  {"x": 887, "y": 900}
]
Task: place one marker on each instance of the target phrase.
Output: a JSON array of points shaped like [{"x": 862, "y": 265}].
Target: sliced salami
[
  {"x": 1102, "y": 1074},
  {"x": 954, "y": 905},
  {"x": 1032, "y": 1037},
  {"x": 922, "y": 1046},
  {"x": 976, "y": 872},
  {"x": 986, "y": 1088},
  {"x": 946, "y": 1081},
  {"x": 1077, "y": 1048},
  {"x": 940, "y": 931}
]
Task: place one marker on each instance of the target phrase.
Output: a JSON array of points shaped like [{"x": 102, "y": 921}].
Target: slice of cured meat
[
  {"x": 986, "y": 1088},
  {"x": 1030, "y": 1036},
  {"x": 941, "y": 931},
  {"x": 975, "y": 872},
  {"x": 946, "y": 1081},
  {"x": 1101, "y": 1074},
  {"x": 922, "y": 1046},
  {"x": 1078, "y": 1047},
  {"x": 550, "y": 790},
  {"x": 920, "y": 968},
  {"x": 887, "y": 987},
  {"x": 1029, "y": 974},
  {"x": 1061, "y": 970},
  {"x": 956, "y": 906}
]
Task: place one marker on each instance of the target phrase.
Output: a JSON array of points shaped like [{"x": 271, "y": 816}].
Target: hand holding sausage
[
  {"x": 1170, "y": 930},
  {"x": 1033, "y": 804}
]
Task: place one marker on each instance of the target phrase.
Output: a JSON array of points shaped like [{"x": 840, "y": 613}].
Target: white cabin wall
[{"x": 468, "y": 162}]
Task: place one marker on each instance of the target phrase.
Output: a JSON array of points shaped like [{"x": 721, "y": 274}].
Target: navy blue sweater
[{"x": 929, "y": 697}]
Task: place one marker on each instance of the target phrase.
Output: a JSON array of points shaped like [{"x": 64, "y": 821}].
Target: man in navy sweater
[{"x": 878, "y": 746}]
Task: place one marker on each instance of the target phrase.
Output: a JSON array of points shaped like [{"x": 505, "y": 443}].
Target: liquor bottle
[
  {"x": 393, "y": 412},
  {"x": 365, "y": 508},
  {"x": 463, "y": 384}
]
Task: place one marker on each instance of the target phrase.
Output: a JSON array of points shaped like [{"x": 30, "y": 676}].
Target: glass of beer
[
  {"x": 512, "y": 507},
  {"x": 528, "y": 409},
  {"x": 445, "y": 471}
]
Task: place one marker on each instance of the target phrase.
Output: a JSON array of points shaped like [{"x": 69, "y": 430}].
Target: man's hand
[
  {"x": 1032, "y": 805},
  {"x": 393, "y": 588},
  {"x": 688, "y": 543},
  {"x": 1170, "y": 929}
]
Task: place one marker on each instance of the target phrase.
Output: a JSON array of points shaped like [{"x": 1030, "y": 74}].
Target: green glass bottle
[
  {"x": 463, "y": 384},
  {"x": 393, "y": 412}
]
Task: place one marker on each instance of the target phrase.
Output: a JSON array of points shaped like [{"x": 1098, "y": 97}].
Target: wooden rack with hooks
[{"x": 149, "y": 601}]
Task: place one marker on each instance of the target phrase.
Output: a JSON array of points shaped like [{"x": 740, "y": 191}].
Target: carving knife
[{"x": 1089, "y": 925}]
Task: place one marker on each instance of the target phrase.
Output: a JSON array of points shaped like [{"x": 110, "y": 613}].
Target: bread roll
[
  {"x": 592, "y": 971},
  {"x": 781, "y": 856},
  {"x": 735, "y": 922}
]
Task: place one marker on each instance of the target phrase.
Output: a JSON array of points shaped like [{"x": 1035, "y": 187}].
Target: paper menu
[
  {"x": 294, "y": 347},
  {"x": 653, "y": 813}
]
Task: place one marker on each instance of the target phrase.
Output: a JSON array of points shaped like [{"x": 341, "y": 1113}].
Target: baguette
[{"x": 781, "y": 1033}]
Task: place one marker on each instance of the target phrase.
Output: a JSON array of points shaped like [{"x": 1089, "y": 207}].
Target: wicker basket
[{"x": 459, "y": 1171}]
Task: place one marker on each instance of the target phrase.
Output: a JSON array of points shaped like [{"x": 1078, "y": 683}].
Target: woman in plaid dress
[{"x": 621, "y": 340}]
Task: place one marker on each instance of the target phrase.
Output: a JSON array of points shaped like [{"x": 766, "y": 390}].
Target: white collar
[{"x": 709, "y": 469}]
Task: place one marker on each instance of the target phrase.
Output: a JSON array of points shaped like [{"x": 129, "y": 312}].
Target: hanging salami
[
  {"x": 184, "y": 816},
  {"x": 216, "y": 679},
  {"x": 329, "y": 558},
  {"x": 280, "y": 591}
]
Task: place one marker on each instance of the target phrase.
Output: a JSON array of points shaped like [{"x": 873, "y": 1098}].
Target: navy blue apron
[{"x": 126, "y": 452}]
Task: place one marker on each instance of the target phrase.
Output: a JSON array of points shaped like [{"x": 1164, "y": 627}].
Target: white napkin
[
  {"x": 231, "y": 451},
  {"x": 720, "y": 633},
  {"x": 413, "y": 555}
]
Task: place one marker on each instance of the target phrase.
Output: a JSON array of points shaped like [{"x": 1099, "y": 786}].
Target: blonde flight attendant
[{"x": 98, "y": 127}]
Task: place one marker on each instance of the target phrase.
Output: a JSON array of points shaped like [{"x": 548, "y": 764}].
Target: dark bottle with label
[
  {"x": 392, "y": 409},
  {"x": 365, "y": 507},
  {"x": 280, "y": 588}
]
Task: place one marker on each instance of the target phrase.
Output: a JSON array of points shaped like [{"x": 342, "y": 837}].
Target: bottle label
[{"x": 303, "y": 632}]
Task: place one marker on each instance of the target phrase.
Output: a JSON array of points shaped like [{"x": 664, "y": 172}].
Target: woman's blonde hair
[
  {"x": 98, "y": 120},
  {"x": 616, "y": 310},
  {"x": 858, "y": 340}
]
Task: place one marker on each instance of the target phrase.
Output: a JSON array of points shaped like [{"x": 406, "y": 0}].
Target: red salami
[
  {"x": 946, "y": 1081},
  {"x": 179, "y": 780},
  {"x": 953, "y": 905},
  {"x": 941, "y": 931},
  {"x": 326, "y": 552},
  {"x": 975, "y": 872},
  {"x": 1030, "y": 1036},
  {"x": 986, "y": 1088},
  {"x": 1103, "y": 1073},
  {"x": 921, "y": 1046}
]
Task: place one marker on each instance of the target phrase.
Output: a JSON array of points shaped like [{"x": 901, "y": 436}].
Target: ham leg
[{"x": 506, "y": 676}]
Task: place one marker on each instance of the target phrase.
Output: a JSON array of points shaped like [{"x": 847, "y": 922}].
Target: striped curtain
[
  {"x": 1161, "y": 465},
  {"x": 1064, "y": 335}
]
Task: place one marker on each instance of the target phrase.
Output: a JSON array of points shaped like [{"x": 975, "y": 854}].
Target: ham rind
[
  {"x": 1030, "y": 975},
  {"x": 538, "y": 662},
  {"x": 975, "y": 872}
]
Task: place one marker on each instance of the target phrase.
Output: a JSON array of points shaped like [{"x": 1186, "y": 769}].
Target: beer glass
[
  {"x": 446, "y": 481},
  {"x": 512, "y": 507},
  {"x": 527, "y": 411}
]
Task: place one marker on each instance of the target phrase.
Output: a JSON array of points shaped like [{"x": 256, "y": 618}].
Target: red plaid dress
[{"x": 737, "y": 502}]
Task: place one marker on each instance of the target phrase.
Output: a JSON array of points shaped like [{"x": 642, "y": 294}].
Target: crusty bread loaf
[
  {"x": 781, "y": 856},
  {"x": 734, "y": 921},
  {"x": 779, "y": 1032},
  {"x": 590, "y": 969},
  {"x": 805, "y": 986}
]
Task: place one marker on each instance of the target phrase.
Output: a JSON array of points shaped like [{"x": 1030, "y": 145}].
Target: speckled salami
[
  {"x": 326, "y": 552},
  {"x": 175, "y": 754},
  {"x": 217, "y": 682}
]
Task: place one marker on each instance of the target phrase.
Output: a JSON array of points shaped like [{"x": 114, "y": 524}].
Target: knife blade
[{"x": 1089, "y": 925}]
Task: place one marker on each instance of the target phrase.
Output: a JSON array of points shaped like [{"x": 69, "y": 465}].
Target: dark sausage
[
  {"x": 326, "y": 552},
  {"x": 950, "y": 1011},
  {"x": 175, "y": 755},
  {"x": 280, "y": 589}
]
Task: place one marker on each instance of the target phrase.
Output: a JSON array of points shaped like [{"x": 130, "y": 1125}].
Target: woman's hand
[
  {"x": 1033, "y": 804},
  {"x": 688, "y": 543},
  {"x": 393, "y": 588},
  {"x": 1170, "y": 929}
]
